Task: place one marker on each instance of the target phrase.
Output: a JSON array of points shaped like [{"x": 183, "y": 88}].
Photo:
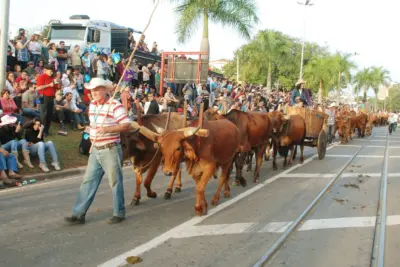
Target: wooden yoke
[{"x": 201, "y": 114}]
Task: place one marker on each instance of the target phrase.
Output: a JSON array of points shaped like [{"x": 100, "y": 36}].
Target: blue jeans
[
  {"x": 61, "y": 66},
  {"x": 40, "y": 149},
  {"x": 8, "y": 163},
  {"x": 102, "y": 161},
  {"x": 30, "y": 112},
  {"x": 19, "y": 118},
  {"x": 35, "y": 58},
  {"x": 13, "y": 145}
]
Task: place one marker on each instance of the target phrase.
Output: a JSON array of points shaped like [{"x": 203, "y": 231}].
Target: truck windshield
[{"x": 67, "y": 33}]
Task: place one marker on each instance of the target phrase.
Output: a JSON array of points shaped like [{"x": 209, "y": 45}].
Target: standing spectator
[
  {"x": 86, "y": 63},
  {"x": 102, "y": 67},
  {"x": 34, "y": 131},
  {"x": 11, "y": 60},
  {"x": 46, "y": 87},
  {"x": 45, "y": 51},
  {"x": 53, "y": 55},
  {"x": 22, "y": 49},
  {"x": 146, "y": 73},
  {"x": 78, "y": 78},
  {"x": 188, "y": 92},
  {"x": 35, "y": 48},
  {"x": 62, "y": 56},
  {"x": 76, "y": 61}
]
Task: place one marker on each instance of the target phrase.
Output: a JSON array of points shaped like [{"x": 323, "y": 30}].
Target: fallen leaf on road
[
  {"x": 351, "y": 185},
  {"x": 341, "y": 201},
  {"x": 133, "y": 259}
]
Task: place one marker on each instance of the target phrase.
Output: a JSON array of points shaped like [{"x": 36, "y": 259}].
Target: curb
[{"x": 62, "y": 173}]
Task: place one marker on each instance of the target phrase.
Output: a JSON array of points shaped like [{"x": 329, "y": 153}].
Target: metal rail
[
  {"x": 278, "y": 243},
  {"x": 378, "y": 246}
]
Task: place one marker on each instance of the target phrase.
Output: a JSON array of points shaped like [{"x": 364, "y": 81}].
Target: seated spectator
[
  {"x": 170, "y": 100},
  {"x": 154, "y": 49},
  {"x": 62, "y": 113},
  {"x": 9, "y": 132},
  {"x": 17, "y": 71},
  {"x": 151, "y": 106},
  {"x": 37, "y": 145},
  {"x": 8, "y": 163},
  {"x": 78, "y": 120},
  {"x": 39, "y": 69},
  {"x": 8, "y": 105},
  {"x": 28, "y": 100}
]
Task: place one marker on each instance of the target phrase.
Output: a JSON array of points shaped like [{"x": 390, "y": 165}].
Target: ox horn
[
  {"x": 158, "y": 129},
  {"x": 145, "y": 131},
  {"x": 190, "y": 131}
]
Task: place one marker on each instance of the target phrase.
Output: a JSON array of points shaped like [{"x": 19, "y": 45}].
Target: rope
[{"x": 117, "y": 89}]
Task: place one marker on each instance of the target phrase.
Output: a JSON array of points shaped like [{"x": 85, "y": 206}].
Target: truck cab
[{"x": 107, "y": 36}]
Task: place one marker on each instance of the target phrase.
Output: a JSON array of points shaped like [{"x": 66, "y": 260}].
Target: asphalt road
[{"x": 339, "y": 231}]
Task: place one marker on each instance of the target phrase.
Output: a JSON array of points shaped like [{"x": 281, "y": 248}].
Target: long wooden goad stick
[{"x": 117, "y": 89}]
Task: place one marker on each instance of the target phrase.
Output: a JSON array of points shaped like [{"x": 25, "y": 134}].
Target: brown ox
[
  {"x": 216, "y": 148},
  {"x": 291, "y": 133},
  {"x": 372, "y": 120},
  {"x": 343, "y": 125},
  {"x": 145, "y": 157},
  {"x": 255, "y": 130},
  {"x": 359, "y": 122}
]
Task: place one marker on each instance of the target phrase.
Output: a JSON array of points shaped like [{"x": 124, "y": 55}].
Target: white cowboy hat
[
  {"x": 300, "y": 81},
  {"x": 98, "y": 82},
  {"x": 332, "y": 105},
  {"x": 8, "y": 119}
]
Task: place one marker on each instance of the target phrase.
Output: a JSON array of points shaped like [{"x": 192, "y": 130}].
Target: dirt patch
[
  {"x": 356, "y": 166},
  {"x": 352, "y": 185},
  {"x": 341, "y": 201}
]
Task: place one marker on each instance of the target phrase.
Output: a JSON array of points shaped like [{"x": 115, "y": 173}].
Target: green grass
[{"x": 67, "y": 150}]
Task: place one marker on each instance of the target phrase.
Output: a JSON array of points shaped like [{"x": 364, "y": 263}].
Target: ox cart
[{"x": 316, "y": 128}]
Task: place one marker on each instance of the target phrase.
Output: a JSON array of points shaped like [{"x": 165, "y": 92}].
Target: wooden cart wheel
[{"x": 322, "y": 142}]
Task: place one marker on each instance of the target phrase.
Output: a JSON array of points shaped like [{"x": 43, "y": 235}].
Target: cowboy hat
[
  {"x": 98, "y": 82},
  {"x": 300, "y": 81},
  {"x": 8, "y": 119},
  {"x": 332, "y": 105}
]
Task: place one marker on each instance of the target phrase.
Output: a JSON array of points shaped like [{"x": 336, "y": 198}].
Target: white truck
[{"x": 107, "y": 36}]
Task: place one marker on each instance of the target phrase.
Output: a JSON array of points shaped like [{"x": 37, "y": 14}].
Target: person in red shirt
[{"x": 46, "y": 87}]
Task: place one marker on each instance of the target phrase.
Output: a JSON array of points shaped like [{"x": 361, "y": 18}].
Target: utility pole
[
  {"x": 305, "y": 4},
  {"x": 4, "y": 11}
]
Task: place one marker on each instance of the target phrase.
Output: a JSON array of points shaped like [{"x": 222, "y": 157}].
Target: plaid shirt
[{"x": 23, "y": 54}]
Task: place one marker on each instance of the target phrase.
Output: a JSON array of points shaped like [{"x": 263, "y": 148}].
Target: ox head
[
  {"x": 277, "y": 121},
  {"x": 175, "y": 146},
  {"x": 342, "y": 125},
  {"x": 130, "y": 142}
]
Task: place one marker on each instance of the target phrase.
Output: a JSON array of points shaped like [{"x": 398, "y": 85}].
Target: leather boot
[
  {"x": 27, "y": 158},
  {"x": 6, "y": 180},
  {"x": 15, "y": 153}
]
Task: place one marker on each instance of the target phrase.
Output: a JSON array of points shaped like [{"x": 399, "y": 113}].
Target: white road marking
[
  {"x": 280, "y": 227},
  {"x": 355, "y": 174},
  {"x": 155, "y": 242},
  {"x": 308, "y": 175},
  {"x": 349, "y": 146},
  {"x": 369, "y": 156},
  {"x": 394, "y": 157},
  {"x": 337, "y": 156}
]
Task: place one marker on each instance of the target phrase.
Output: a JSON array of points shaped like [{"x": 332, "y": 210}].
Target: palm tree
[
  {"x": 239, "y": 14},
  {"x": 319, "y": 73},
  {"x": 343, "y": 66},
  {"x": 363, "y": 81},
  {"x": 380, "y": 77}
]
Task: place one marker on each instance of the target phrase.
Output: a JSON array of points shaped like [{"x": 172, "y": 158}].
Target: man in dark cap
[{"x": 46, "y": 88}]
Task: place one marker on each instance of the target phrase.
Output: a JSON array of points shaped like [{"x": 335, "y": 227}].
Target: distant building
[
  {"x": 219, "y": 64},
  {"x": 383, "y": 92}
]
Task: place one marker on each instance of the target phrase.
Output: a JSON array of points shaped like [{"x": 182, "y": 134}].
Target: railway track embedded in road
[{"x": 378, "y": 249}]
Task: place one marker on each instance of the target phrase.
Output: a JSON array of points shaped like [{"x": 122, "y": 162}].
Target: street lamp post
[
  {"x": 5, "y": 8},
  {"x": 305, "y": 4}
]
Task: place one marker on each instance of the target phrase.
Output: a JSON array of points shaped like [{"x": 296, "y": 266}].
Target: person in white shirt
[{"x": 393, "y": 118}]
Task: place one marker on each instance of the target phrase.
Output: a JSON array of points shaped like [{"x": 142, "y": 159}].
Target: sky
[{"x": 366, "y": 27}]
